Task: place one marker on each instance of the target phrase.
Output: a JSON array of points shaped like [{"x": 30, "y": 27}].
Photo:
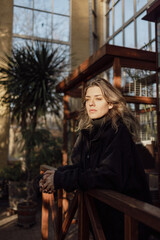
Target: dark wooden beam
[
  {"x": 76, "y": 93},
  {"x": 103, "y": 60},
  {"x": 117, "y": 73},
  {"x": 71, "y": 115},
  {"x": 153, "y": 12},
  {"x": 138, "y": 64},
  {"x": 140, "y": 100}
]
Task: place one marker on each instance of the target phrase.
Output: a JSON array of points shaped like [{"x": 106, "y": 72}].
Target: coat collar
[{"x": 97, "y": 131}]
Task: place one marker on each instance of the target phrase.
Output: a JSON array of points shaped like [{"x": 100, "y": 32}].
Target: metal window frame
[
  {"x": 125, "y": 24},
  {"x": 34, "y": 38}
]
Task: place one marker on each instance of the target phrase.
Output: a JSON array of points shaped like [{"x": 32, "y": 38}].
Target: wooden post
[
  {"x": 65, "y": 157},
  {"x": 66, "y": 111},
  {"x": 117, "y": 73},
  {"x": 83, "y": 219},
  {"x": 59, "y": 213},
  {"x": 131, "y": 228},
  {"x": 69, "y": 216},
  {"x": 54, "y": 215},
  {"x": 45, "y": 215},
  {"x": 94, "y": 218}
]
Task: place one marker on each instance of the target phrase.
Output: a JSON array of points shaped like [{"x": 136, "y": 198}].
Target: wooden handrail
[
  {"x": 140, "y": 211},
  {"x": 48, "y": 203},
  {"x": 69, "y": 216},
  {"x": 94, "y": 218},
  {"x": 135, "y": 211}
]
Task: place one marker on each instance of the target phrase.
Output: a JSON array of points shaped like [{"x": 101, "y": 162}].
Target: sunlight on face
[{"x": 96, "y": 104}]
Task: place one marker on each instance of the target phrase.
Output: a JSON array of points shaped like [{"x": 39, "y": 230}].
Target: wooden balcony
[{"x": 134, "y": 212}]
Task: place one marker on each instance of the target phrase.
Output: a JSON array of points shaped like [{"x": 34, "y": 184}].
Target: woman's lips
[{"x": 92, "y": 110}]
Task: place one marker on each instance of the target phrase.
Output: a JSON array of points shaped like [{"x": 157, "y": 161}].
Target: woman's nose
[{"x": 92, "y": 103}]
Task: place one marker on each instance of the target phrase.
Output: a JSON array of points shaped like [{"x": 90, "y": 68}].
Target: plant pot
[
  {"x": 27, "y": 214},
  {"x": 17, "y": 193}
]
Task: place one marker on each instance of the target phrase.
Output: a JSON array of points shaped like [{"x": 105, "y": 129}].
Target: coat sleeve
[{"x": 111, "y": 173}]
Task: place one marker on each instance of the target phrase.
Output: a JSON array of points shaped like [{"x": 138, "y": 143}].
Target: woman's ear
[{"x": 110, "y": 105}]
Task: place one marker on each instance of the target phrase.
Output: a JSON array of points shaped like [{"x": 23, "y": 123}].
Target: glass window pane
[
  {"x": 19, "y": 42},
  {"x": 128, "y": 9},
  {"x": 63, "y": 50},
  {"x": 61, "y": 6},
  {"x": 153, "y": 46},
  {"x": 118, "y": 15},
  {"x": 43, "y": 5},
  {"x": 118, "y": 39},
  {"x": 129, "y": 35},
  {"x": 24, "y": 3},
  {"x": 140, "y": 4},
  {"x": 110, "y": 41},
  {"x": 22, "y": 22},
  {"x": 110, "y": 75},
  {"x": 142, "y": 31},
  {"x": 153, "y": 35},
  {"x": 61, "y": 28},
  {"x": 110, "y": 23},
  {"x": 42, "y": 24}
]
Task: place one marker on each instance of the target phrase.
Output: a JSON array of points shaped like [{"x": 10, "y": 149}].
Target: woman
[{"x": 104, "y": 155}]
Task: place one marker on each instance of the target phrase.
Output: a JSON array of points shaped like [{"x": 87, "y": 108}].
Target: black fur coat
[{"x": 106, "y": 159}]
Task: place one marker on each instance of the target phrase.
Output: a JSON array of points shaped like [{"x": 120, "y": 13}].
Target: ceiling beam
[{"x": 103, "y": 60}]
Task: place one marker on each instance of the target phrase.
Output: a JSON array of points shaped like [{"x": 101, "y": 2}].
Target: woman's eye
[{"x": 98, "y": 99}]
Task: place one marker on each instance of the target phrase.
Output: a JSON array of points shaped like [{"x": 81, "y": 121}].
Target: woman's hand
[{"x": 47, "y": 182}]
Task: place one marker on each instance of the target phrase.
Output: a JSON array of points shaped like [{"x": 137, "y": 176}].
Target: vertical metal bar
[
  {"x": 135, "y": 26},
  {"x": 123, "y": 21},
  {"x": 113, "y": 22}
]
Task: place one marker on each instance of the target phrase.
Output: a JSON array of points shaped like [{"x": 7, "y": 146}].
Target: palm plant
[{"x": 29, "y": 76}]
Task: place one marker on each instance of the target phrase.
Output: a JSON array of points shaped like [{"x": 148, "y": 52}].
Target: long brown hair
[{"x": 119, "y": 110}]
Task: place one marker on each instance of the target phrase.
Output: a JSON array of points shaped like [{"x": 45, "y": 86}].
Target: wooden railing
[{"x": 134, "y": 212}]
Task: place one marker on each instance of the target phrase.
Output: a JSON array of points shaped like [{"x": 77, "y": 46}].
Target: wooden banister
[
  {"x": 48, "y": 203},
  {"x": 140, "y": 211},
  {"x": 69, "y": 216},
  {"x": 131, "y": 228},
  {"x": 83, "y": 219},
  {"x": 135, "y": 211},
  {"x": 94, "y": 218},
  {"x": 45, "y": 215}
]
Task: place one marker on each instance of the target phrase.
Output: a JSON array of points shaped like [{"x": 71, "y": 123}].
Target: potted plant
[
  {"x": 29, "y": 77},
  {"x": 14, "y": 178}
]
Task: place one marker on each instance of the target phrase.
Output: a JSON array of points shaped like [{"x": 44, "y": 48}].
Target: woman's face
[{"x": 96, "y": 104}]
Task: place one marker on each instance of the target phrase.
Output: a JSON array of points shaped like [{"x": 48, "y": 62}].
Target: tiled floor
[{"x": 9, "y": 230}]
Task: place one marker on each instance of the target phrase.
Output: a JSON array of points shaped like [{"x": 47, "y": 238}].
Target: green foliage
[
  {"x": 32, "y": 72},
  {"x": 43, "y": 148},
  {"x": 29, "y": 77},
  {"x": 12, "y": 172}
]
